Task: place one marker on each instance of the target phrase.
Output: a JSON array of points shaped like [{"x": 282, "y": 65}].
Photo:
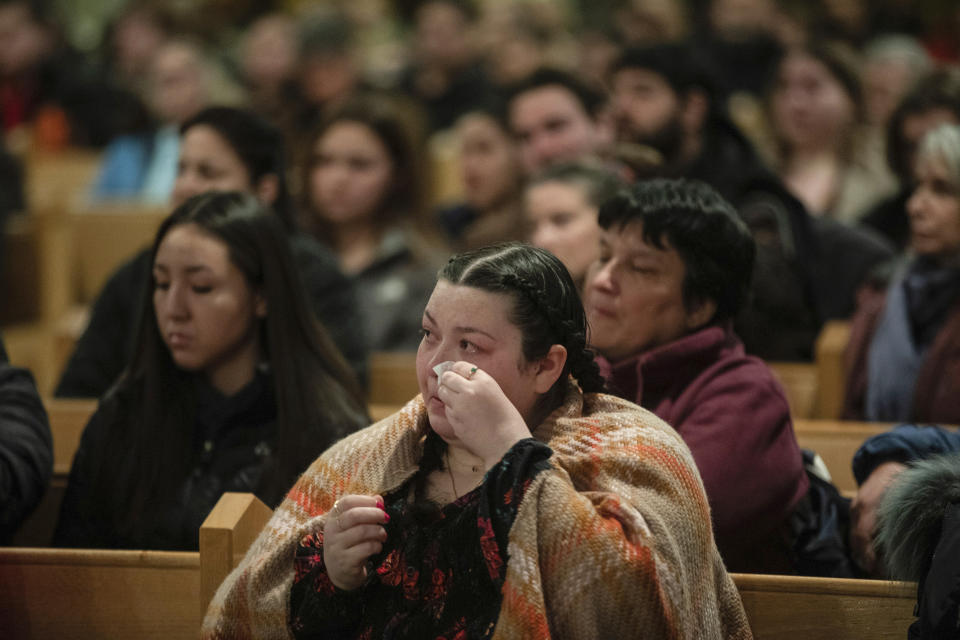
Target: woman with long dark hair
[
  {"x": 511, "y": 498},
  {"x": 225, "y": 149},
  {"x": 233, "y": 386},
  {"x": 361, "y": 196}
]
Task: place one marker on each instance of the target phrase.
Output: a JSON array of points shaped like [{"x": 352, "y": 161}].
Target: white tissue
[{"x": 439, "y": 369}]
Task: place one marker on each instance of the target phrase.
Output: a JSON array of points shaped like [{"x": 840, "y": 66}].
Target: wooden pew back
[
  {"x": 778, "y": 607},
  {"x": 799, "y": 608},
  {"x": 67, "y": 421},
  {"x": 97, "y": 594},
  {"x": 801, "y": 385},
  {"x": 106, "y": 237},
  {"x": 836, "y": 441},
  {"x": 393, "y": 378},
  {"x": 225, "y": 536},
  {"x": 831, "y": 348}
]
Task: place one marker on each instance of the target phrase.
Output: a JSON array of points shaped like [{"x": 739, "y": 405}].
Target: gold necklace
[
  {"x": 456, "y": 496},
  {"x": 475, "y": 469}
]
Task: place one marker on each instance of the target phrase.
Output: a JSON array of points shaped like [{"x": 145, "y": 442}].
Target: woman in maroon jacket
[{"x": 674, "y": 269}]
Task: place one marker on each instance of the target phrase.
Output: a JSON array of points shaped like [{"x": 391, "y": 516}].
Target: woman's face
[
  {"x": 465, "y": 323},
  {"x": 352, "y": 174},
  {"x": 206, "y": 311},
  {"x": 489, "y": 163},
  {"x": 564, "y": 223},
  {"x": 207, "y": 163},
  {"x": 633, "y": 295},
  {"x": 934, "y": 211},
  {"x": 810, "y": 106}
]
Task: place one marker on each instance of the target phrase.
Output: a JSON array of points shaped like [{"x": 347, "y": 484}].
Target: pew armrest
[
  {"x": 831, "y": 368},
  {"x": 226, "y": 534}
]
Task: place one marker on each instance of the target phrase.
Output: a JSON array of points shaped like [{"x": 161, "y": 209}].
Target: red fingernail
[
  {"x": 379, "y": 503},
  {"x": 386, "y": 517}
]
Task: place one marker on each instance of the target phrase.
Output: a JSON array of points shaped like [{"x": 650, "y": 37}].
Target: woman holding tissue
[{"x": 510, "y": 499}]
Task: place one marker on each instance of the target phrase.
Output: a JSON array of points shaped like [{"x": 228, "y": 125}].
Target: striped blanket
[{"x": 613, "y": 541}]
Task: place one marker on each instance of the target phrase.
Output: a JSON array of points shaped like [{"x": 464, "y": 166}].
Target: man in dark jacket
[
  {"x": 664, "y": 97},
  {"x": 26, "y": 447},
  {"x": 674, "y": 269}
]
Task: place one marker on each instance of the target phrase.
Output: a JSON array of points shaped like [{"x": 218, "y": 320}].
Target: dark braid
[{"x": 563, "y": 330}]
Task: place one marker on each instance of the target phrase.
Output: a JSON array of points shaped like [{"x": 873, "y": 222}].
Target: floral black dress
[{"x": 437, "y": 577}]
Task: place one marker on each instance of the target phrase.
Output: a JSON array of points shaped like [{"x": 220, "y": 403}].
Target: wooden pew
[
  {"x": 105, "y": 594},
  {"x": 799, "y": 608},
  {"x": 836, "y": 441},
  {"x": 801, "y": 384},
  {"x": 831, "y": 371},
  {"x": 225, "y": 536},
  {"x": 83, "y": 593},
  {"x": 778, "y": 607},
  {"x": 67, "y": 421},
  {"x": 393, "y": 378}
]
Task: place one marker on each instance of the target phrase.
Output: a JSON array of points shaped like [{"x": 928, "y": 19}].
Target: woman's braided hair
[{"x": 547, "y": 308}]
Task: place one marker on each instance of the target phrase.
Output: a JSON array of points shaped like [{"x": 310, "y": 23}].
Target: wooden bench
[
  {"x": 393, "y": 377},
  {"x": 67, "y": 421},
  {"x": 801, "y": 384},
  {"x": 831, "y": 347},
  {"x": 836, "y": 441},
  {"x": 83, "y": 593},
  {"x": 105, "y": 594},
  {"x": 778, "y": 607},
  {"x": 58, "y": 593},
  {"x": 799, "y": 608}
]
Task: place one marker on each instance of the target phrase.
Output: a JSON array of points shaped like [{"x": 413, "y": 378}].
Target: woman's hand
[
  {"x": 863, "y": 514},
  {"x": 352, "y": 533},
  {"x": 481, "y": 415}
]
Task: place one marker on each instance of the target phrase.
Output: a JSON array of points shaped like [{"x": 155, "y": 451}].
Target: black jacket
[
  {"x": 26, "y": 448},
  {"x": 234, "y": 438},
  {"x": 807, "y": 271},
  {"x": 107, "y": 344},
  {"x": 918, "y": 536}
]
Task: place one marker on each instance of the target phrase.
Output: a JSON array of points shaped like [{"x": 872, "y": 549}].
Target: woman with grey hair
[{"x": 903, "y": 349}]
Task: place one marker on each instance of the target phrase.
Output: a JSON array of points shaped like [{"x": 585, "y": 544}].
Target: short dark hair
[
  {"x": 678, "y": 64},
  {"x": 690, "y": 216},
  {"x": 938, "y": 90},
  {"x": 597, "y": 182},
  {"x": 591, "y": 100},
  {"x": 257, "y": 143},
  {"x": 547, "y": 308}
]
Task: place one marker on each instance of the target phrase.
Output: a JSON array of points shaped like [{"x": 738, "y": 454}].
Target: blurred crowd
[{"x": 386, "y": 136}]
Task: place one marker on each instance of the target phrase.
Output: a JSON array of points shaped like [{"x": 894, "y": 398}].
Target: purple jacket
[{"x": 734, "y": 416}]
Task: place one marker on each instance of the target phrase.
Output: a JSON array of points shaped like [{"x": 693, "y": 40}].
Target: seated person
[
  {"x": 509, "y": 498},
  {"x": 561, "y": 205},
  {"x": 918, "y": 533},
  {"x": 490, "y": 177},
  {"x": 26, "y": 448},
  {"x": 674, "y": 269},
  {"x": 233, "y": 386},
  {"x": 222, "y": 148},
  {"x": 876, "y": 466},
  {"x": 361, "y": 198},
  {"x": 902, "y": 354}
]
